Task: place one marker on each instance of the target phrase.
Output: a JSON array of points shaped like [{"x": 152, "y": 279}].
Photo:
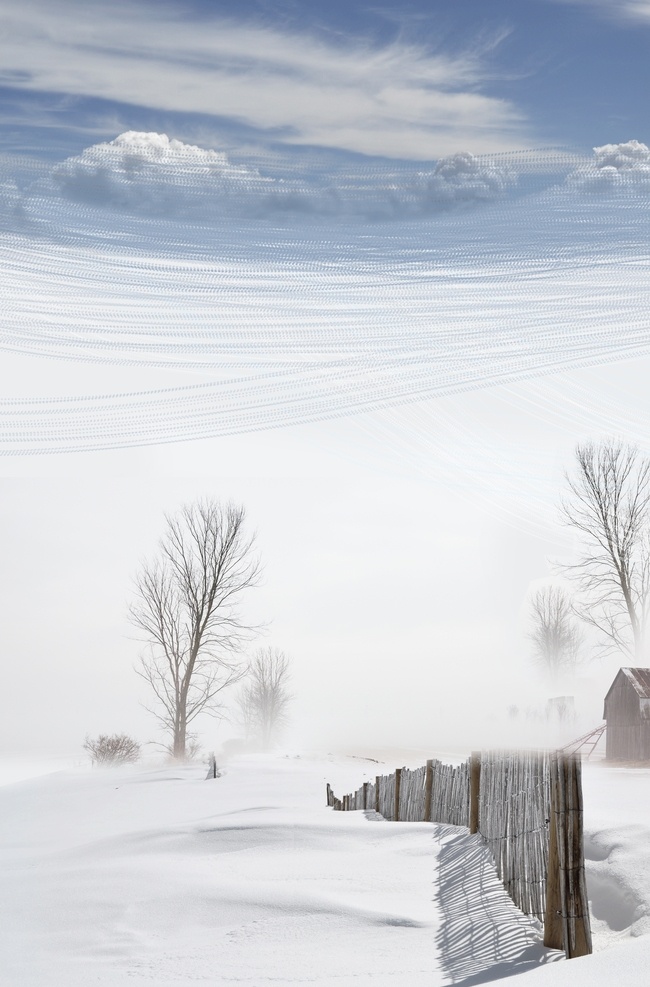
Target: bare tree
[
  {"x": 264, "y": 699},
  {"x": 116, "y": 748},
  {"x": 609, "y": 504},
  {"x": 187, "y": 605},
  {"x": 555, "y": 636}
]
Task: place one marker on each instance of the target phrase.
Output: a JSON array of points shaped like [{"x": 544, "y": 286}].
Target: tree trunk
[{"x": 180, "y": 735}]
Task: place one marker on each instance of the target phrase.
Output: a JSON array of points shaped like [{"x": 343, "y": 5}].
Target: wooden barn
[{"x": 627, "y": 712}]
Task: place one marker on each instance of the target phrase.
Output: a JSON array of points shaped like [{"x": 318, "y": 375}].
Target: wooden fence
[
  {"x": 527, "y": 806},
  {"x": 513, "y": 818},
  {"x": 438, "y": 793}
]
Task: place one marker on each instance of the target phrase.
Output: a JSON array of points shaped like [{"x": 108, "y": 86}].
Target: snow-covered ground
[{"x": 157, "y": 876}]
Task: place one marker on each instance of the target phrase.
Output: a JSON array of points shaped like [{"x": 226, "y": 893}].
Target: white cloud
[
  {"x": 621, "y": 10},
  {"x": 615, "y": 168},
  {"x": 151, "y": 173},
  {"x": 465, "y": 178},
  {"x": 398, "y": 100},
  {"x": 134, "y": 152},
  {"x": 638, "y": 10}
]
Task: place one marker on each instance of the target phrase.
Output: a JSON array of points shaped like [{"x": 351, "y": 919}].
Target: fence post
[
  {"x": 377, "y": 793},
  {"x": 474, "y": 790},
  {"x": 329, "y": 794},
  {"x": 365, "y": 794},
  {"x": 553, "y": 931},
  {"x": 566, "y": 924},
  {"x": 398, "y": 782},
  {"x": 428, "y": 788},
  {"x": 579, "y": 940}
]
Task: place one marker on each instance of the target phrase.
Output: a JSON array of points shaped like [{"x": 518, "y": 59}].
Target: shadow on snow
[{"x": 483, "y": 935}]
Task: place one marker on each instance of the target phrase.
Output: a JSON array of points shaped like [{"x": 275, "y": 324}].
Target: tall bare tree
[
  {"x": 609, "y": 505},
  {"x": 187, "y": 606},
  {"x": 554, "y": 633},
  {"x": 264, "y": 698}
]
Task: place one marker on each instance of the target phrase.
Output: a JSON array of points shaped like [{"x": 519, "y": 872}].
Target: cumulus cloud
[
  {"x": 615, "y": 168},
  {"x": 460, "y": 180},
  {"x": 464, "y": 178},
  {"x": 157, "y": 175},
  {"x": 151, "y": 173}
]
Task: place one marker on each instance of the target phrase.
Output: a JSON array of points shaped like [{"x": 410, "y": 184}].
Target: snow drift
[{"x": 127, "y": 876}]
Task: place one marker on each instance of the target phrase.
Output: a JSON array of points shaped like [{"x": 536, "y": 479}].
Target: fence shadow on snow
[
  {"x": 483, "y": 935},
  {"x": 526, "y": 811}
]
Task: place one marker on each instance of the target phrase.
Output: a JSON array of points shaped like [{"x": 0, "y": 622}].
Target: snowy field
[{"x": 158, "y": 876}]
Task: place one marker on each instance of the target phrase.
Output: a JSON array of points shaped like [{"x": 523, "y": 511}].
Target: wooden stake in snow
[
  {"x": 474, "y": 790},
  {"x": 566, "y": 924},
  {"x": 428, "y": 788},
  {"x": 398, "y": 779}
]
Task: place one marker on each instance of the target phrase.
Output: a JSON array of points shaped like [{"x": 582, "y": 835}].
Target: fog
[
  {"x": 393, "y": 400},
  {"x": 399, "y": 595}
]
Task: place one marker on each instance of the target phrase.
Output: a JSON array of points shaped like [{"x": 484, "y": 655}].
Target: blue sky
[
  {"x": 414, "y": 81},
  {"x": 295, "y": 115}
]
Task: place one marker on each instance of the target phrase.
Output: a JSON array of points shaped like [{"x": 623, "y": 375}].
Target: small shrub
[{"x": 117, "y": 748}]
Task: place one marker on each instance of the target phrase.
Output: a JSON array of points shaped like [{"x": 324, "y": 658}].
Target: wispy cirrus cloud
[
  {"x": 620, "y": 10},
  {"x": 396, "y": 99}
]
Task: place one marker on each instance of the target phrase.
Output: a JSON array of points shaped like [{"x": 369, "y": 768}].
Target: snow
[
  {"x": 131, "y": 876},
  {"x": 157, "y": 875},
  {"x": 617, "y": 849}
]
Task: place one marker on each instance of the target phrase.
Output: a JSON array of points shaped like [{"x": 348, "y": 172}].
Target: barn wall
[{"x": 628, "y": 732}]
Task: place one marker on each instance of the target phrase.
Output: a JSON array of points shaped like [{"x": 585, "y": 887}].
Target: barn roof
[{"x": 639, "y": 679}]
